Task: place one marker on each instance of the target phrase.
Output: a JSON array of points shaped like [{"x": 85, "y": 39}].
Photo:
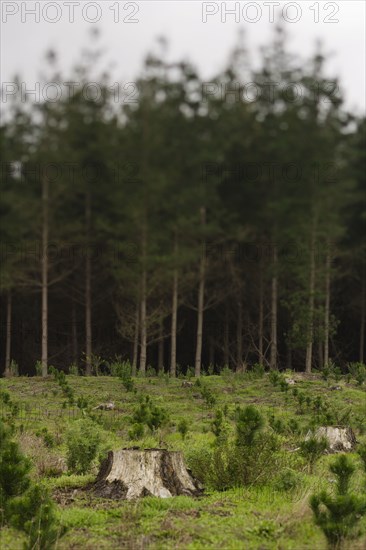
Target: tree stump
[
  {"x": 339, "y": 439},
  {"x": 134, "y": 473},
  {"x": 105, "y": 407}
]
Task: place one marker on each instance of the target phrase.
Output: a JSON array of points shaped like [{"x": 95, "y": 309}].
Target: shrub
[
  {"x": 46, "y": 463},
  {"x": 275, "y": 378},
  {"x": 183, "y": 427},
  {"x": 158, "y": 417},
  {"x": 277, "y": 424},
  {"x": 217, "y": 424},
  {"x": 312, "y": 449},
  {"x": 208, "y": 396},
  {"x": 249, "y": 458},
  {"x": 266, "y": 529},
  {"x": 249, "y": 423},
  {"x": 115, "y": 366},
  {"x": 38, "y": 368},
  {"x": 150, "y": 414},
  {"x": 67, "y": 390},
  {"x": 82, "y": 402},
  {"x": 190, "y": 372},
  {"x": 74, "y": 369},
  {"x": 136, "y": 431},
  {"x": 358, "y": 371},
  {"x": 5, "y": 397},
  {"x": 47, "y": 437},
  {"x": 338, "y": 515},
  {"x": 293, "y": 426},
  {"x": 25, "y": 506},
  {"x": 96, "y": 362},
  {"x": 199, "y": 461},
  {"x": 125, "y": 374},
  {"x": 210, "y": 369},
  {"x": 14, "y": 368},
  {"x": 150, "y": 371},
  {"x": 361, "y": 450},
  {"x": 83, "y": 440},
  {"x": 287, "y": 480},
  {"x": 258, "y": 370},
  {"x": 34, "y": 513},
  {"x": 14, "y": 469}
]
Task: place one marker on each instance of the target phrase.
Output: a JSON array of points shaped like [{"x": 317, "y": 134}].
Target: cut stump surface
[{"x": 134, "y": 473}]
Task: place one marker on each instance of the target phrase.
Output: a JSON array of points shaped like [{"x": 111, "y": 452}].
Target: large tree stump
[
  {"x": 133, "y": 473},
  {"x": 338, "y": 439}
]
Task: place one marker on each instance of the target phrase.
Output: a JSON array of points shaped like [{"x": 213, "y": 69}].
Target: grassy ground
[{"x": 261, "y": 517}]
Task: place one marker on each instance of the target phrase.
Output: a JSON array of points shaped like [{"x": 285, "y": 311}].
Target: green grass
[{"x": 244, "y": 518}]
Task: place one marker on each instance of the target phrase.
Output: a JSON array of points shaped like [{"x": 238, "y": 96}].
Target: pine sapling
[{"x": 338, "y": 515}]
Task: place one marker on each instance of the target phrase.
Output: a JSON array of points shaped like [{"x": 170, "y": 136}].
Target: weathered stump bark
[
  {"x": 339, "y": 439},
  {"x": 134, "y": 473}
]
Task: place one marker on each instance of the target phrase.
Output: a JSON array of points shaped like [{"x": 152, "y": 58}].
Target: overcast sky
[{"x": 207, "y": 44}]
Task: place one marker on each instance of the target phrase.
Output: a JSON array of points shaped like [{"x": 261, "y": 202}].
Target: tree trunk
[
  {"x": 310, "y": 330},
  {"x": 201, "y": 295},
  {"x": 363, "y": 316},
  {"x": 261, "y": 313},
  {"x": 327, "y": 305},
  {"x": 211, "y": 351},
  {"x": 161, "y": 346},
  {"x": 7, "y": 371},
  {"x": 239, "y": 338},
  {"x": 74, "y": 334},
  {"x": 173, "y": 342},
  {"x": 134, "y": 473},
  {"x": 320, "y": 355},
  {"x": 44, "y": 266},
  {"x": 136, "y": 340},
  {"x": 274, "y": 300},
  {"x": 226, "y": 337},
  {"x": 143, "y": 350},
  {"x": 88, "y": 301}
]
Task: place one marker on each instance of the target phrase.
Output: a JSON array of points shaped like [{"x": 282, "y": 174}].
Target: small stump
[
  {"x": 339, "y": 439},
  {"x": 105, "y": 407},
  {"x": 187, "y": 384},
  {"x": 134, "y": 473}
]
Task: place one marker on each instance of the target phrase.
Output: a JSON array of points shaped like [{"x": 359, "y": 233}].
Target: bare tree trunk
[
  {"x": 226, "y": 337},
  {"x": 327, "y": 305},
  {"x": 201, "y": 295},
  {"x": 173, "y": 342},
  {"x": 320, "y": 355},
  {"x": 239, "y": 337},
  {"x": 211, "y": 351},
  {"x": 136, "y": 340},
  {"x": 310, "y": 330},
  {"x": 88, "y": 302},
  {"x": 8, "y": 334},
  {"x": 274, "y": 300},
  {"x": 261, "y": 313},
  {"x": 44, "y": 266},
  {"x": 161, "y": 346},
  {"x": 143, "y": 350},
  {"x": 74, "y": 334},
  {"x": 363, "y": 315}
]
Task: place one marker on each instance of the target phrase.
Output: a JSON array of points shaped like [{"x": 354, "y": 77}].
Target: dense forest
[{"x": 176, "y": 222}]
